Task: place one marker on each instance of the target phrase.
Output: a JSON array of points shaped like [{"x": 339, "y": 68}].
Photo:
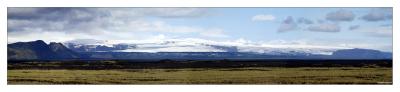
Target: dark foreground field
[{"x": 201, "y": 72}]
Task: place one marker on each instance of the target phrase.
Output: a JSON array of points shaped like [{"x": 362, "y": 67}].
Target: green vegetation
[{"x": 249, "y": 75}]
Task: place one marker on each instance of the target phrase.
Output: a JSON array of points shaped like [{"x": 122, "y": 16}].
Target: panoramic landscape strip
[{"x": 136, "y": 46}]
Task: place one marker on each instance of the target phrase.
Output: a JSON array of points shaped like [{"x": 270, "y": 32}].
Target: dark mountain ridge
[{"x": 39, "y": 50}]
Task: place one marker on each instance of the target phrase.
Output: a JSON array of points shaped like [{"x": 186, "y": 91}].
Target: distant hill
[
  {"x": 361, "y": 53},
  {"x": 39, "y": 50}
]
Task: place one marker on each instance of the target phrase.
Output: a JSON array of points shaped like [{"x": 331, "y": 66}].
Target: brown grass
[{"x": 256, "y": 75}]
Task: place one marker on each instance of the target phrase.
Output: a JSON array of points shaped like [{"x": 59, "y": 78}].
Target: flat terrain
[{"x": 242, "y": 75}]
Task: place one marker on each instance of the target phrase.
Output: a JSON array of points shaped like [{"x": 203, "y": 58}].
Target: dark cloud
[
  {"x": 302, "y": 23},
  {"x": 99, "y": 23},
  {"x": 340, "y": 15},
  {"x": 89, "y": 20},
  {"x": 379, "y": 14},
  {"x": 354, "y": 27},
  {"x": 177, "y": 12},
  {"x": 54, "y": 14},
  {"x": 324, "y": 28},
  {"x": 320, "y": 21},
  {"x": 52, "y": 19},
  {"x": 303, "y": 20},
  {"x": 289, "y": 24},
  {"x": 289, "y": 20}
]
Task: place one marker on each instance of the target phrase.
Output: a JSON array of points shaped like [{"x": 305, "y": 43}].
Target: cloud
[
  {"x": 56, "y": 13},
  {"x": 157, "y": 26},
  {"x": 324, "y": 28},
  {"x": 262, "y": 17},
  {"x": 17, "y": 11},
  {"x": 218, "y": 33},
  {"x": 285, "y": 42},
  {"x": 354, "y": 27},
  {"x": 303, "y": 20},
  {"x": 340, "y": 15},
  {"x": 89, "y": 19},
  {"x": 386, "y": 25},
  {"x": 379, "y": 31},
  {"x": 288, "y": 25},
  {"x": 104, "y": 23},
  {"x": 380, "y": 14}
]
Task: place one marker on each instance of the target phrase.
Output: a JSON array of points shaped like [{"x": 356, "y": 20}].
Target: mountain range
[
  {"x": 39, "y": 50},
  {"x": 181, "y": 49}
]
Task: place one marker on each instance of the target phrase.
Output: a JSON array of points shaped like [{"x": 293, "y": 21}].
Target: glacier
[{"x": 196, "y": 45}]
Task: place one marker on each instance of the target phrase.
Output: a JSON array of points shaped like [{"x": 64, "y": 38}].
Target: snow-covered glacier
[{"x": 197, "y": 45}]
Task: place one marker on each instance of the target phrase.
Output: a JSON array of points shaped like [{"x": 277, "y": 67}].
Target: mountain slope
[
  {"x": 39, "y": 50},
  {"x": 61, "y": 51}
]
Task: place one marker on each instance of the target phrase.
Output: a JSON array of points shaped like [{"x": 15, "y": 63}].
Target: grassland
[{"x": 244, "y": 75}]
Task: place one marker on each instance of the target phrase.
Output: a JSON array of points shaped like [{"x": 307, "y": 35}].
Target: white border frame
[{"x": 196, "y": 3}]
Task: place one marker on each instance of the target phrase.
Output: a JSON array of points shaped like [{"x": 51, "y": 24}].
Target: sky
[{"x": 369, "y": 28}]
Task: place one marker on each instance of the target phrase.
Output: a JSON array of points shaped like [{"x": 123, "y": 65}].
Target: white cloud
[
  {"x": 219, "y": 33},
  {"x": 263, "y": 17},
  {"x": 156, "y": 26},
  {"x": 380, "y": 31},
  {"x": 376, "y": 31},
  {"x": 43, "y": 35}
]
